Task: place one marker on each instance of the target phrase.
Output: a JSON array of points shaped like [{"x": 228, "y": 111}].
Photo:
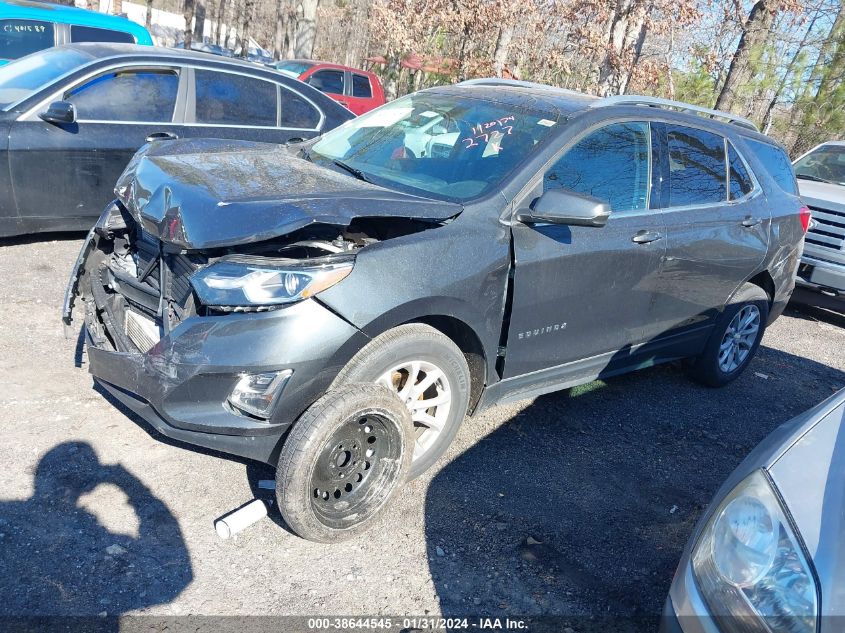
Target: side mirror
[
  {"x": 558, "y": 206},
  {"x": 59, "y": 112}
]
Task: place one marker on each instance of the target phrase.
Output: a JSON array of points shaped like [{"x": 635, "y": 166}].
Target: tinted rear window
[
  {"x": 91, "y": 34},
  {"x": 777, "y": 163},
  {"x": 297, "y": 112},
  {"x": 22, "y": 37},
  {"x": 740, "y": 180},
  {"x": 697, "y": 170},
  {"x": 329, "y": 81},
  {"x": 361, "y": 87},
  {"x": 229, "y": 99}
]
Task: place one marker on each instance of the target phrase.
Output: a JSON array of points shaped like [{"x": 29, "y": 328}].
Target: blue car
[{"x": 27, "y": 27}]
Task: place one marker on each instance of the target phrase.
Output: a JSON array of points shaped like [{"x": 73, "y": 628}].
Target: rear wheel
[
  {"x": 343, "y": 462},
  {"x": 430, "y": 376},
  {"x": 734, "y": 339}
]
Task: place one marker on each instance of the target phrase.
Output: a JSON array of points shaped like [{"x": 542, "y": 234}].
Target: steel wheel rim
[
  {"x": 425, "y": 390},
  {"x": 739, "y": 338},
  {"x": 356, "y": 469}
]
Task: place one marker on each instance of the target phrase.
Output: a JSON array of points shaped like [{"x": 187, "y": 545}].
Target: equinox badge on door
[{"x": 543, "y": 330}]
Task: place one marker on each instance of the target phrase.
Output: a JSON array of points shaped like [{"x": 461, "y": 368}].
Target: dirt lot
[{"x": 99, "y": 514}]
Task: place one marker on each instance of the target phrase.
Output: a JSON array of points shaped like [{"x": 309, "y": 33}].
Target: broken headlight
[
  {"x": 260, "y": 281},
  {"x": 750, "y": 566}
]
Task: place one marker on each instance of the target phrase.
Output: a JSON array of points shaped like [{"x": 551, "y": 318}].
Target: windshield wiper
[
  {"x": 360, "y": 175},
  {"x": 813, "y": 178}
]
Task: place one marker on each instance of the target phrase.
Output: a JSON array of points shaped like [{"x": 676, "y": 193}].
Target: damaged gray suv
[{"x": 336, "y": 308}]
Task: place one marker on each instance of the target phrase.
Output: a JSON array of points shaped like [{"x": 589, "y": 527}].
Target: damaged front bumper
[{"x": 181, "y": 384}]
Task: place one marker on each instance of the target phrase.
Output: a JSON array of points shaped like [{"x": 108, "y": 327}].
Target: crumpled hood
[{"x": 207, "y": 193}]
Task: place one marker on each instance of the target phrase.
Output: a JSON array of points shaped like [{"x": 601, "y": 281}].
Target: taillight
[{"x": 804, "y": 214}]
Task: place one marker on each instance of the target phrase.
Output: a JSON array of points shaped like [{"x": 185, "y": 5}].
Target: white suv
[{"x": 821, "y": 179}]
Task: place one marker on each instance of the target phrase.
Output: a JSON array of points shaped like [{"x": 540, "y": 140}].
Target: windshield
[
  {"x": 24, "y": 77},
  {"x": 825, "y": 164},
  {"x": 446, "y": 146},
  {"x": 294, "y": 68}
]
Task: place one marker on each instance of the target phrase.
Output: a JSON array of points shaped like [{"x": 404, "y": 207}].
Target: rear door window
[
  {"x": 777, "y": 163},
  {"x": 22, "y": 37},
  {"x": 91, "y": 34},
  {"x": 739, "y": 180},
  {"x": 147, "y": 95},
  {"x": 230, "y": 99},
  {"x": 296, "y": 112},
  {"x": 611, "y": 164},
  {"x": 697, "y": 169},
  {"x": 329, "y": 81},
  {"x": 361, "y": 87}
]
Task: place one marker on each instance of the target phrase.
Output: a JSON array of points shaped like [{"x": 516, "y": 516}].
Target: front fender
[{"x": 429, "y": 274}]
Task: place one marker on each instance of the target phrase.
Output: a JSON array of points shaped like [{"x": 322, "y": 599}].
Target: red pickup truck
[{"x": 358, "y": 90}]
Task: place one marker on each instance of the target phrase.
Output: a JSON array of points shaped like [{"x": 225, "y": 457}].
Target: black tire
[
  {"x": 416, "y": 341},
  {"x": 329, "y": 490},
  {"x": 706, "y": 368}
]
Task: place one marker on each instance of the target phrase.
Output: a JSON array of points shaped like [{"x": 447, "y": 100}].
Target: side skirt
[{"x": 579, "y": 372}]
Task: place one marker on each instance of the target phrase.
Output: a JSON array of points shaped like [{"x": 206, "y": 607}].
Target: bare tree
[
  {"x": 221, "y": 12},
  {"x": 117, "y": 7},
  {"x": 280, "y": 36},
  {"x": 148, "y": 21},
  {"x": 755, "y": 31},
  {"x": 246, "y": 25},
  {"x": 199, "y": 22},
  {"x": 788, "y": 72},
  {"x": 626, "y": 27},
  {"x": 503, "y": 43},
  {"x": 305, "y": 29},
  {"x": 189, "y": 22}
]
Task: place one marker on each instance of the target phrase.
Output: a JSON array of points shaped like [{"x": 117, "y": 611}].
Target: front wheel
[
  {"x": 734, "y": 339},
  {"x": 343, "y": 462},
  {"x": 428, "y": 373}
]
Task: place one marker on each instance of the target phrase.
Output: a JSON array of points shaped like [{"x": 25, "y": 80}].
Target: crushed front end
[{"x": 227, "y": 378}]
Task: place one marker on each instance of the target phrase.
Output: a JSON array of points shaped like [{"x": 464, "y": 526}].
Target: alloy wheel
[
  {"x": 739, "y": 338},
  {"x": 425, "y": 390}
]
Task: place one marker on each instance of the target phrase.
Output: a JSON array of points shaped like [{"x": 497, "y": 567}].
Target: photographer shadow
[{"x": 58, "y": 560}]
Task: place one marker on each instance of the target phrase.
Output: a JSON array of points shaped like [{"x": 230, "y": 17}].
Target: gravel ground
[{"x": 576, "y": 504}]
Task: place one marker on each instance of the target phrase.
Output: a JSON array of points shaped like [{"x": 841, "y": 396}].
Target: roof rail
[
  {"x": 518, "y": 83},
  {"x": 657, "y": 102}
]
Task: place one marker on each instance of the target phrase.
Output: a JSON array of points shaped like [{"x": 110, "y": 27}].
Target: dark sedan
[{"x": 71, "y": 117}]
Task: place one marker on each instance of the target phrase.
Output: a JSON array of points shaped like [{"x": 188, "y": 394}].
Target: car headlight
[
  {"x": 750, "y": 567},
  {"x": 260, "y": 281}
]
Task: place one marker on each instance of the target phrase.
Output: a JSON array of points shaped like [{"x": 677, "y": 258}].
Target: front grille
[
  {"x": 148, "y": 290},
  {"x": 829, "y": 229}
]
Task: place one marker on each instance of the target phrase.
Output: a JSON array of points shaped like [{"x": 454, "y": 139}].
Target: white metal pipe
[{"x": 240, "y": 519}]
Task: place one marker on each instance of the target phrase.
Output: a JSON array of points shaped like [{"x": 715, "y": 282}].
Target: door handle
[
  {"x": 646, "y": 237},
  {"x": 750, "y": 221},
  {"x": 161, "y": 136}
]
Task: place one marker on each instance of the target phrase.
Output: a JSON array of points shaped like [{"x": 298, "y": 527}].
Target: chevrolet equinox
[{"x": 335, "y": 308}]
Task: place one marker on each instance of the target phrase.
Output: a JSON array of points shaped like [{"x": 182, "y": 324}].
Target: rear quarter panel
[{"x": 786, "y": 239}]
